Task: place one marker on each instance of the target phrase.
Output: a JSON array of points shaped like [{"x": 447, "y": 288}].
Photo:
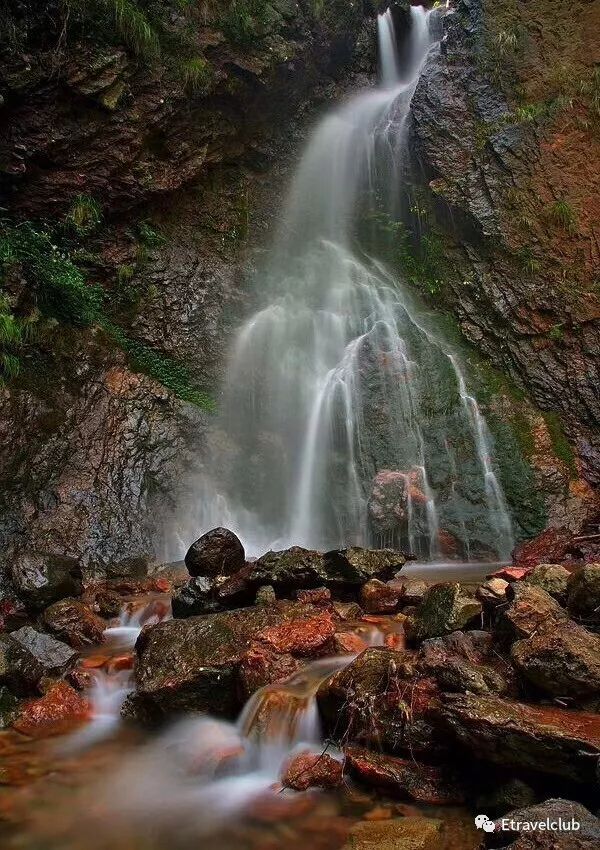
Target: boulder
[
  {"x": 587, "y": 836},
  {"x": 107, "y": 603},
  {"x": 377, "y": 700},
  {"x": 403, "y": 778},
  {"x": 409, "y": 833},
  {"x": 549, "y": 547},
  {"x": 194, "y": 598},
  {"x": 530, "y": 610},
  {"x": 302, "y": 637},
  {"x": 348, "y": 643},
  {"x": 59, "y": 710},
  {"x": 552, "y": 578},
  {"x": 583, "y": 594},
  {"x": 348, "y": 610},
  {"x": 562, "y": 662},
  {"x": 133, "y": 567},
  {"x": 444, "y": 609},
  {"x": 413, "y": 590},
  {"x": 312, "y": 770},
  {"x": 458, "y": 663},
  {"x": 512, "y": 794},
  {"x": 41, "y": 578},
  {"x": 541, "y": 739},
  {"x": 319, "y": 596},
  {"x": 377, "y": 597},
  {"x": 219, "y": 552},
  {"x": 193, "y": 664},
  {"x": 27, "y": 656},
  {"x": 261, "y": 666},
  {"x": 72, "y": 621},
  {"x": 492, "y": 592}
]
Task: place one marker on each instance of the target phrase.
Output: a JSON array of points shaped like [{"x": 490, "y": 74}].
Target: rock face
[
  {"x": 217, "y": 553},
  {"x": 537, "y": 738}
]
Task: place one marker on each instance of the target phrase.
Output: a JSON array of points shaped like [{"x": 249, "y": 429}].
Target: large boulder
[
  {"x": 541, "y": 739},
  {"x": 219, "y": 552},
  {"x": 27, "y": 656},
  {"x": 552, "y": 578},
  {"x": 562, "y": 662},
  {"x": 41, "y": 579},
  {"x": 445, "y": 608},
  {"x": 463, "y": 661},
  {"x": 583, "y": 594},
  {"x": 72, "y": 621},
  {"x": 530, "y": 610},
  {"x": 193, "y": 664}
]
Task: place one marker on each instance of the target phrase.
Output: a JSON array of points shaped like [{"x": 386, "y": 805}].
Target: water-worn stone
[
  {"x": 312, "y": 770},
  {"x": 377, "y": 597},
  {"x": 403, "y": 777},
  {"x": 303, "y": 637},
  {"x": 444, "y": 609},
  {"x": 261, "y": 666},
  {"x": 530, "y": 610},
  {"x": 583, "y": 594},
  {"x": 41, "y": 579},
  {"x": 195, "y": 597},
  {"x": 552, "y": 578},
  {"x": 458, "y": 663},
  {"x": 585, "y": 837},
  {"x": 562, "y": 662},
  {"x": 409, "y": 833},
  {"x": 73, "y": 622},
  {"x": 541, "y": 739},
  {"x": 56, "y": 712},
  {"x": 219, "y": 552},
  {"x": 27, "y": 656},
  {"x": 193, "y": 664}
]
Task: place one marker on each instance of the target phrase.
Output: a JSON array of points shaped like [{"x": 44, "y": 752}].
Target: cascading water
[{"x": 345, "y": 420}]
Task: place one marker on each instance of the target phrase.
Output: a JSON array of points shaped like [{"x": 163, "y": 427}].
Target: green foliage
[
  {"x": 245, "y": 20},
  {"x": 85, "y": 215},
  {"x": 60, "y": 286},
  {"x": 197, "y": 74},
  {"x": 556, "y": 332},
  {"x": 129, "y": 21},
  {"x": 124, "y": 274},
  {"x": 528, "y": 260},
  {"x": 14, "y": 333},
  {"x": 163, "y": 369},
  {"x": 560, "y": 444},
  {"x": 563, "y": 214},
  {"x": 149, "y": 236}
]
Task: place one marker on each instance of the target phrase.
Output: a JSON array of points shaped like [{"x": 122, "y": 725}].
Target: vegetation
[
  {"x": 14, "y": 333},
  {"x": 128, "y": 21},
  {"x": 560, "y": 444},
  {"x": 85, "y": 215},
  {"x": 245, "y": 20},
  {"x": 197, "y": 74},
  {"x": 563, "y": 214}
]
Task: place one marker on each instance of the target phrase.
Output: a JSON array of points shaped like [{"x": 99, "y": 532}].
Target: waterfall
[{"x": 344, "y": 418}]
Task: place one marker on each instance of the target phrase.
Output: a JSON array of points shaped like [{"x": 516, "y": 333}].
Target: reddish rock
[
  {"x": 107, "y": 603},
  {"x": 377, "y": 597},
  {"x": 510, "y": 573},
  {"x": 449, "y": 545},
  {"x": 56, "y": 712},
  {"x": 320, "y": 597},
  {"x": 549, "y": 547},
  {"x": 530, "y": 610},
  {"x": 300, "y": 637},
  {"x": 395, "y": 640},
  {"x": 348, "y": 643},
  {"x": 80, "y": 679},
  {"x": 403, "y": 777},
  {"x": 72, "y": 621},
  {"x": 312, "y": 770},
  {"x": 260, "y": 666}
]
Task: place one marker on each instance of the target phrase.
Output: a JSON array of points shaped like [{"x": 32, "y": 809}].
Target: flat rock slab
[{"x": 542, "y": 739}]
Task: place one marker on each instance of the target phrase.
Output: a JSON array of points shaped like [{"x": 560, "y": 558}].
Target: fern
[{"x": 562, "y": 213}]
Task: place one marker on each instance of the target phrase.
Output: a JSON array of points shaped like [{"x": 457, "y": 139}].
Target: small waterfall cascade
[{"x": 345, "y": 419}]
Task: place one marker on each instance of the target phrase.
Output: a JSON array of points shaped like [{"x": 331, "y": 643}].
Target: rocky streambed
[{"x": 375, "y": 710}]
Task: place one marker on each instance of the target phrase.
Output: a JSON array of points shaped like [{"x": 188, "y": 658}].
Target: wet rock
[
  {"x": 73, "y": 622},
  {"x": 107, "y": 603},
  {"x": 195, "y": 597},
  {"x": 409, "y": 833},
  {"x": 135, "y": 567},
  {"x": 413, "y": 591},
  {"x": 218, "y": 552},
  {"x": 320, "y": 596},
  {"x": 348, "y": 643},
  {"x": 583, "y": 594},
  {"x": 587, "y": 835},
  {"x": 193, "y": 664},
  {"x": 348, "y": 610},
  {"x": 530, "y": 610},
  {"x": 541, "y": 739},
  {"x": 41, "y": 579},
  {"x": 312, "y": 770},
  {"x": 27, "y": 656},
  {"x": 492, "y": 592},
  {"x": 260, "y": 666},
  {"x": 552, "y": 578},
  {"x": 457, "y": 663},
  {"x": 377, "y": 597},
  {"x": 298, "y": 568},
  {"x": 563, "y": 661},
  {"x": 377, "y": 700},
  {"x": 549, "y": 547},
  {"x": 303, "y": 637},
  {"x": 403, "y": 777},
  {"x": 444, "y": 609},
  {"x": 9, "y": 707},
  {"x": 505, "y": 796},
  {"x": 59, "y": 710}
]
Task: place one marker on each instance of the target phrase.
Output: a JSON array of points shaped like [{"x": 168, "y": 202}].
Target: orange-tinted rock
[
  {"x": 348, "y": 643},
  {"x": 72, "y": 621},
  {"x": 320, "y": 596},
  {"x": 549, "y": 547},
  {"x": 310, "y": 770},
  {"x": 120, "y": 662},
  {"x": 511, "y": 573},
  {"x": 260, "y": 666},
  {"x": 300, "y": 637},
  {"x": 403, "y": 777},
  {"x": 395, "y": 640},
  {"x": 530, "y": 610},
  {"x": 56, "y": 712},
  {"x": 448, "y": 544},
  {"x": 377, "y": 597}
]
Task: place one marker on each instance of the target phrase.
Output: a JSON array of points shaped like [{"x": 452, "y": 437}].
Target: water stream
[{"x": 345, "y": 417}]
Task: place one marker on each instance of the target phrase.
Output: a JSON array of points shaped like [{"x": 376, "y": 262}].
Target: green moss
[
  {"x": 243, "y": 21},
  {"x": 560, "y": 444}
]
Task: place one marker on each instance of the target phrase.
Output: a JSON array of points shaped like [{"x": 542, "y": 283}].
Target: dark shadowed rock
[
  {"x": 134, "y": 567},
  {"x": 9, "y": 706},
  {"x": 504, "y": 796},
  {"x": 72, "y": 621},
  {"x": 530, "y": 610},
  {"x": 403, "y": 777},
  {"x": 27, "y": 656},
  {"x": 41, "y": 579},
  {"x": 193, "y": 664},
  {"x": 312, "y": 770},
  {"x": 377, "y": 597},
  {"x": 549, "y": 547},
  {"x": 195, "y": 597},
  {"x": 552, "y": 578},
  {"x": 219, "y": 552},
  {"x": 445, "y": 608},
  {"x": 563, "y": 661},
  {"x": 583, "y": 594},
  {"x": 586, "y": 837},
  {"x": 542, "y": 739},
  {"x": 460, "y": 662}
]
